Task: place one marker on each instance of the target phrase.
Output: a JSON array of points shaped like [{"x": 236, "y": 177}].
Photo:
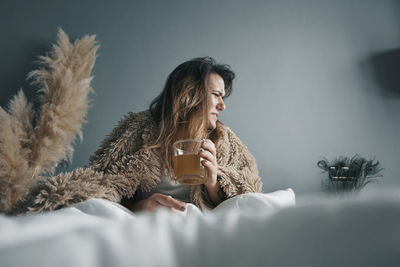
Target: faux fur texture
[
  {"x": 123, "y": 165},
  {"x": 33, "y": 144}
]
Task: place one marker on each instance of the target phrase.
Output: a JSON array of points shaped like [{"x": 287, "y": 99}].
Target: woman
[{"x": 134, "y": 164}]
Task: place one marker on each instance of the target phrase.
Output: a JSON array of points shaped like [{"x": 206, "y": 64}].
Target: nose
[{"x": 221, "y": 105}]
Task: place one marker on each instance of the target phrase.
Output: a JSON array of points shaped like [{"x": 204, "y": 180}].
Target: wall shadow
[{"x": 385, "y": 67}]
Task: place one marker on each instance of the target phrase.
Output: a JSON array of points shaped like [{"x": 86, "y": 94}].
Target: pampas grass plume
[{"x": 32, "y": 143}]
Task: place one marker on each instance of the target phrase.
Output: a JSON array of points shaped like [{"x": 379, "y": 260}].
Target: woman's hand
[
  {"x": 157, "y": 200},
  {"x": 209, "y": 155}
]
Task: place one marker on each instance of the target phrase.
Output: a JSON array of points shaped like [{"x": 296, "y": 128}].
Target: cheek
[
  {"x": 211, "y": 102},
  {"x": 209, "y": 99}
]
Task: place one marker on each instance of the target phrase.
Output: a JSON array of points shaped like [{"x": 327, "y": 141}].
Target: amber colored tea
[{"x": 188, "y": 170}]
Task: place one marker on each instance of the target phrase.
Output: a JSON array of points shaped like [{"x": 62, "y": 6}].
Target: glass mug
[{"x": 188, "y": 169}]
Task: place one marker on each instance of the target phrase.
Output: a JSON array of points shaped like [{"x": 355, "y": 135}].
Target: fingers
[
  {"x": 208, "y": 145},
  {"x": 170, "y": 202},
  {"x": 208, "y": 152},
  {"x": 156, "y": 200},
  {"x": 211, "y": 169},
  {"x": 207, "y": 155}
]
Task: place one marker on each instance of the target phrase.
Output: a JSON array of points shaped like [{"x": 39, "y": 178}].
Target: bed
[{"x": 258, "y": 229}]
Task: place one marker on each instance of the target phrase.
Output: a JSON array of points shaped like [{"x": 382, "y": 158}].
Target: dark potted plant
[{"x": 349, "y": 174}]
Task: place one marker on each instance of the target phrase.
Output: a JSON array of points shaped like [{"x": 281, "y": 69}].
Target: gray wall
[{"x": 314, "y": 78}]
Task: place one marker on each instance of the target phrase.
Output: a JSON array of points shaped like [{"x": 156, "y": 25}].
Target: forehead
[{"x": 216, "y": 83}]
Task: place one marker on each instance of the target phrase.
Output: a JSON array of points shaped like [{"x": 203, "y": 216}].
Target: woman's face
[{"x": 215, "y": 102}]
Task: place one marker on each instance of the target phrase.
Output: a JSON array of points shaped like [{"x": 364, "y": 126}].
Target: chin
[{"x": 212, "y": 125}]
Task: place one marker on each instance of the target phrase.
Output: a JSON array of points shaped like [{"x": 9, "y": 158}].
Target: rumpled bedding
[{"x": 253, "y": 229}]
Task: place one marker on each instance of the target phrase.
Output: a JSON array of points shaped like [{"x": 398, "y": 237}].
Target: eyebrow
[{"x": 217, "y": 91}]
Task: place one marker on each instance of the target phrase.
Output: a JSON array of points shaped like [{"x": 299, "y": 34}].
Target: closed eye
[{"x": 218, "y": 94}]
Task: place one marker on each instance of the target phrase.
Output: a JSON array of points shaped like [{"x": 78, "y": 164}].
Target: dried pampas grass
[{"x": 33, "y": 144}]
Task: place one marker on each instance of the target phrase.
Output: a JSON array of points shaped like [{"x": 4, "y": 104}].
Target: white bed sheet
[{"x": 248, "y": 230}]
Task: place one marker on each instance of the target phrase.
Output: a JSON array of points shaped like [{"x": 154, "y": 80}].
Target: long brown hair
[{"x": 181, "y": 108}]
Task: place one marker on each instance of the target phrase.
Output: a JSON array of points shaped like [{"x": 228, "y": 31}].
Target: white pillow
[
  {"x": 259, "y": 202},
  {"x": 249, "y": 203}
]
